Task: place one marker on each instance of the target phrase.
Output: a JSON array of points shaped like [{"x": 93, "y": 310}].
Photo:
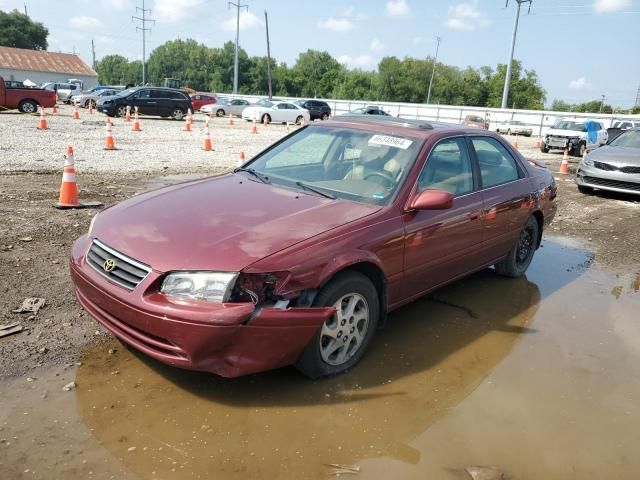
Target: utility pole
[
  {"x": 143, "y": 21},
  {"x": 26, "y": 14},
  {"x": 266, "y": 23},
  {"x": 93, "y": 53},
  {"x": 235, "y": 63},
  {"x": 433, "y": 70},
  {"x": 638, "y": 97},
  {"x": 507, "y": 80},
  {"x": 602, "y": 102}
]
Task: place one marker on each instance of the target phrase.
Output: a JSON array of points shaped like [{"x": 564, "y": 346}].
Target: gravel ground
[
  {"x": 160, "y": 146},
  {"x": 35, "y": 239}
]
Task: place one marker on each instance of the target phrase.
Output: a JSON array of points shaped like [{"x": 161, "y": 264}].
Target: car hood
[
  {"x": 566, "y": 133},
  {"x": 221, "y": 223},
  {"x": 618, "y": 156}
]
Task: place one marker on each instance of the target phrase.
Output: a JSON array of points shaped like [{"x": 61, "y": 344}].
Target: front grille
[
  {"x": 121, "y": 269},
  {"x": 601, "y": 182},
  {"x": 630, "y": 169},
  {"x": 605, "y": 166}
]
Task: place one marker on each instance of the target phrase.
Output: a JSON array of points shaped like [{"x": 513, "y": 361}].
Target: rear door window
[{"x": 497, "y": 165}]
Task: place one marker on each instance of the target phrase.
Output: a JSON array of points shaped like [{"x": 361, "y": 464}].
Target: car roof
[{"x": 398, "y": 125}]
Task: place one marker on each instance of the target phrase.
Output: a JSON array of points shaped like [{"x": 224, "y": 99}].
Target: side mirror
[{"x": 432, "y": 200}]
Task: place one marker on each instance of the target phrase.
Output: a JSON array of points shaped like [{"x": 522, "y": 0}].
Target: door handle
[
  {"x": 149, "y": 103},
  {"x": 474, "y": 215}
]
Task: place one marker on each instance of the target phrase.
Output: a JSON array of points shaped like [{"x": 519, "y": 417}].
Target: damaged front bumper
[{"x": 228, "y": 339}]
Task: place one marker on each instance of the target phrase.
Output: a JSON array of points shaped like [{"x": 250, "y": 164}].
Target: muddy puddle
[{"x": 537, "y": 376}]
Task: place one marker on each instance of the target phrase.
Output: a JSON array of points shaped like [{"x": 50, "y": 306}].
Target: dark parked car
[
  {"x": 367, "y": 111},
  {"x": 300, "y": 253},
  {"x": 317, "y": 109},
  {"x": 164, "y": 102}
]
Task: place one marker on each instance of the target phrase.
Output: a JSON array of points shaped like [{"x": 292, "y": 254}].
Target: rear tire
[
  {"x": 325, "y": 116},
  {"x": 266, "y": 118},
  {"x": 177, "y": 114},
  {"x": 299, "y": 120},
  {"x": 28, "y": 106},
  {"x": 343, "y": 339},
  {"x": 544, "y": 148},
  {"x": 519, "y": 258}
]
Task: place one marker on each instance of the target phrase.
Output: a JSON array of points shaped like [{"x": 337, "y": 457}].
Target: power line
[
  {"x": 433, "y": 70},
  {"x": 143, "y": 21},
  {"x": 507, "y": 80},
  {"x": 235, "y": 63}
]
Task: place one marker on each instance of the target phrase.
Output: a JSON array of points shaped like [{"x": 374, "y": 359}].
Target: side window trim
[{"x": 475, "y": 173}]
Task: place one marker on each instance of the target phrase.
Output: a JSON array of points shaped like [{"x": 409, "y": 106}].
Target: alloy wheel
[{"x": 343, "y": 334}]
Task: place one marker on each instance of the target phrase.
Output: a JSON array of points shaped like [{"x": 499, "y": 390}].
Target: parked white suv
[{"x": 572, "y": 134}]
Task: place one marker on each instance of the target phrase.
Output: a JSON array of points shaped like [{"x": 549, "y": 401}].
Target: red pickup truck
[{"x": 25, "y": 99}]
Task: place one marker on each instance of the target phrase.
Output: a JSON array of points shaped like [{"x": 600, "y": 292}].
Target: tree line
[{"x": 318, "y": 74}]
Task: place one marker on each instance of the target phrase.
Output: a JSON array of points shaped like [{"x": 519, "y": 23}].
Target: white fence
[{"x": 539, "y": 120}]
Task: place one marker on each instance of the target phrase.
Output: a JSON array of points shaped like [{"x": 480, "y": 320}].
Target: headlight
[
  {"x": 209, "y": 286},
  {"x": 587, "y": 161}
]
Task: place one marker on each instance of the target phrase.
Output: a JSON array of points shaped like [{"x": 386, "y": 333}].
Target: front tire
[
  {"x": 121, "y": 111},
  {"x": 325, "y": 116},
  {"x": 266, "y": 118},
  {"x": 519, "y": 258},
  {"x": 343, "y": 338},
  {"x": 544, "y": 148},
  {"x": 220, "y": 113}
]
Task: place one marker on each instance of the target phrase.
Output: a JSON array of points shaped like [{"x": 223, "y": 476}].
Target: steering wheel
[{"x": 386, "y": 176}]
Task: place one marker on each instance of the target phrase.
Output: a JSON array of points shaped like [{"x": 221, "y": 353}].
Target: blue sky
[{"x": 580, "y": 48}]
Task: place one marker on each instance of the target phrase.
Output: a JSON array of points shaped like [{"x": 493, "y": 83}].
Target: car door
[
  {"x": 441, "y": 245},
  {"x": 142, "y": 100},
  {"x": 506, "y": 193}
]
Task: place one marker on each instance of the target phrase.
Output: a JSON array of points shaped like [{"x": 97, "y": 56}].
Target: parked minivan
[{"x": 164, "y": 102}]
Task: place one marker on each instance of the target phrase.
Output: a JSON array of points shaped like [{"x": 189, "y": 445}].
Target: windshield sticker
[{"x": 389, "y": 141}]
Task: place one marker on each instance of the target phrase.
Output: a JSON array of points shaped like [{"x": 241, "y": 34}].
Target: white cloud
[
  {"x": 397, "y": 8},
  {"x": 248, "y": 20},
  {"x": 360, "y": 61},
  {"x": 117, "y": 4},
  {"x": 170, "y": 11},
  {"x": 345, "y": 59},
  {"x": 419, "y": 40},
  {"x": 336, "y": 24},
  {"x": 606, "y": 6},
  {"x": 578, "y": 83},
  {"x": 466, "y": 16},
  {"x": 104, "y": 40},
  {"x": 84, "y": 23},
  {"x": 376, "y": 46}
]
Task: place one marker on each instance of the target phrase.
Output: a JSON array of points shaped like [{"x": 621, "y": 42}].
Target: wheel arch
[
  {"x": 33, "y": 100},
  {"x": 369, "y": 269},
  {"x": 540, "y": 219}
]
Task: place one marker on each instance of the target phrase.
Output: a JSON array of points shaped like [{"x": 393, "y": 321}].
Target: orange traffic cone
[
  {"x": 187, "y": 125},
  {"x": 538, "y": 142},
  {"x": 43, "y": 120},
  {"x": 564, "y": 166},
  {"x": 136, "y": 122},
  {"x": 109, "y": 143},
  {"x": 241, "y": 159},
  {"x": 69, "y": 186},
  {"x": 254, "y": 129},
  {"x": 230, "y": 119},
  {"x": 54, "y": 109},
  {"x": 127, "y": 116},
  {"x": 76, "y": 114},
  {"x": 208, "y": 146}
]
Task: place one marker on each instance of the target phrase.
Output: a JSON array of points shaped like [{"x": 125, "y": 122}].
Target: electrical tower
[
  {"x": 143, "y": 19},
  {"x": 235, "y": 63},
  {"x": 507, "y": 80}
]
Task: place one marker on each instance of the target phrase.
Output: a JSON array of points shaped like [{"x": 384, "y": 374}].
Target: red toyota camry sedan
[{"x": 296, "y": 257}]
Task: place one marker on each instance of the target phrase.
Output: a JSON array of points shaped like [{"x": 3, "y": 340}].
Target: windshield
[
  {"x": 126, "y": 92},
  {"x": 264, "y": 103},
  {"x": 350, "y": 164},
  {"x": 517, "y": 122},
  {"x": 568, "y": 125},
  {"x": 629, "y": 139}
]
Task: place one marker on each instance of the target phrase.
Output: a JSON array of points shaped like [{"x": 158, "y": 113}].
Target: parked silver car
[
  {"x": 224, "y": 106},
  {"x": 91, "y": 98},
  {"x": 615, "y": 166},
  {"x": 515, "y": 127}
]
